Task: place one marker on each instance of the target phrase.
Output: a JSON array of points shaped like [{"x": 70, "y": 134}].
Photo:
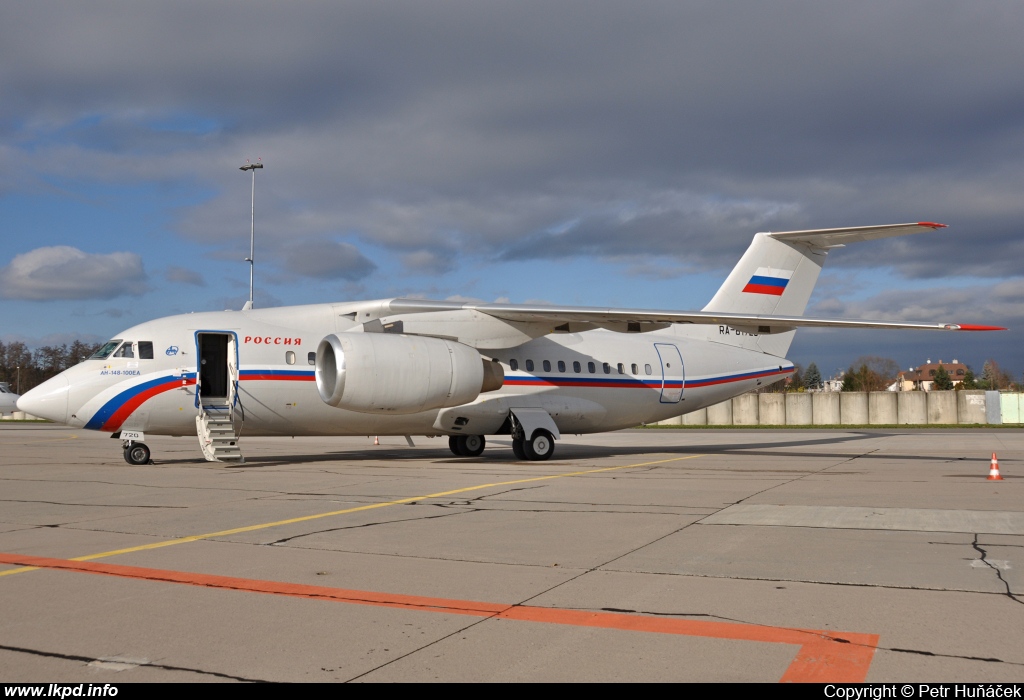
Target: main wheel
[
  {"x": 471, "y": 445},
  {"x": 517, "y": 448},
  {"x": 137, "y": 453},
  {"x": 540, "y": 446},
  {"x": 453, "y": 445}
]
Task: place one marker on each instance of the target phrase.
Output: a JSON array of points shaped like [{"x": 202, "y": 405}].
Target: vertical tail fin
[{"x": 778, "y": 272}]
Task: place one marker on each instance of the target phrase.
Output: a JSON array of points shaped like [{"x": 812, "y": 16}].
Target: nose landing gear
[{"x": 136, "y": 453}]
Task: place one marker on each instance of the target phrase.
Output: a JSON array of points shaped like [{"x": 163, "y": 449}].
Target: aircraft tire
[
  {"x": 453, "y": 445},
  {"x": 471, "y": 445},
  {"x": 137, "y": 453},
  {"x": 540, "y": 447},
  {"x": 517, "y": 448}
]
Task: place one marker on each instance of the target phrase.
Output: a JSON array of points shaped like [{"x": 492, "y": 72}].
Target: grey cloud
[
  {"x": 325, "y": 259},
  {"x": 410, "y": 125},
  {"x": 184, "y": 276},
  {"x": 63, "y": 272}
]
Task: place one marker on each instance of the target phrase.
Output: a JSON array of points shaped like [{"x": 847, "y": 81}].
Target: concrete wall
[
  {"x": 1010, "y": 408},
  {"x": 825, "y": 408},
  {"x": 911, "y": 407},
  {"x": 970, "y": 406},
  {"x": 798, "y": 408},
  {"x": 771, "y": 409},
  {"x": 853, "y": 408},
  {"x": 942, "y": 407},
  {"x": 862, "y": 408},
  {"x": 744, "y": 410},
  {"x": 696, "y": 418},
  {"x": 882, "y": 408},
  {"x": 720, "y": 413}
]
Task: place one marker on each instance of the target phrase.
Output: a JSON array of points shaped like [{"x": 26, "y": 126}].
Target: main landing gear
[
  {"x": 136, "y": 453},
  {"x": 466, "y": 445},
  {"x": 538, "y": 448}
]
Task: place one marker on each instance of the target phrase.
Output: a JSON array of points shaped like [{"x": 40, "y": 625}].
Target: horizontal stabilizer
[{"x": 834, "y": 237}]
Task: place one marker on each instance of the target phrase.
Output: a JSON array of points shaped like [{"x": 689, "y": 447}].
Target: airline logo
[{"x": 767, "y": 280}]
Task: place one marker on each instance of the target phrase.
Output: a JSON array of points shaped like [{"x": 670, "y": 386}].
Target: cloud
[
  {"x": 184, "y": 276},
  {"x": 325, "y": 259},
  {"x": 63, "y": 272}
]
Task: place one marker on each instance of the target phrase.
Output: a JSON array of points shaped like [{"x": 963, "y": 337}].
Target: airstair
[
  {"x": 217, "y": 435},
  {"x": 221, "y": 414}
]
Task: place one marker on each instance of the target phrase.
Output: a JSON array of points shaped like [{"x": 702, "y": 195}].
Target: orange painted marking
[{"x": 823, "y": 655}]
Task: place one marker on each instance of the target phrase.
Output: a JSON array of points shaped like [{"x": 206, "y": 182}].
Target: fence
[{"x": 862, "y": 408}]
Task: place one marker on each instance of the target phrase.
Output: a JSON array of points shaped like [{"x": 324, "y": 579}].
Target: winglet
[{"x": 972, "y": 327}]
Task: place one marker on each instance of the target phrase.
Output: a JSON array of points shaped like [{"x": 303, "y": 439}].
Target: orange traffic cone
[
  {"x": 376, "y": 441},
  {"x": 993, "y": 472}
]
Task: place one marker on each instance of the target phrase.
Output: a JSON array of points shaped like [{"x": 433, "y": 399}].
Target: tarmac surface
[{"x": 645, "y": 555}]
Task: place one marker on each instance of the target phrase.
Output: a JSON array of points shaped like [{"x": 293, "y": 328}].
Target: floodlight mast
[{"x": 252, "y": 223}]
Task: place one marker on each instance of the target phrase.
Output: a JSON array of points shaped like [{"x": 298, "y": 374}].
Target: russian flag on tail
[{"x": 767, "y": 280}]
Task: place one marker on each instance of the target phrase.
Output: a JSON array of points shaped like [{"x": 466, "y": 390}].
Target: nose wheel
[{"x": 136, "y": 453}]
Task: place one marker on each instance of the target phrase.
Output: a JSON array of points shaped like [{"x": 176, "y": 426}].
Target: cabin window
[
  {"x": 547, "y": 365},
  {"x": 607, "y": 368},
  {"x": 289, "y": 357},
  {"x": 529, "y": 365},
  {"x": 647, "y": 368},
  {"x": 104, "y": 352},
  {"x": 126, "y": 350},
  {"x": 636, "y": 370},
  {"x": 145, "y": 350},
  {"x": 513, "y": 365},
  {"x": 577, "y": 367},
  {"x": 561, "y": 366},
  {"x": 622, "y": 370},
  {"x": 591, "y": 367},
  {"x": 311, "y": 358}
]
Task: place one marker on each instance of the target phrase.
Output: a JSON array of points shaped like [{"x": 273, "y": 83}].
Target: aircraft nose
[{"x": 48, "y": 400}]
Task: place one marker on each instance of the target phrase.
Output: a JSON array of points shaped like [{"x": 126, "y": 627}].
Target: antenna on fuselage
[{"x": 258, "y": 165}]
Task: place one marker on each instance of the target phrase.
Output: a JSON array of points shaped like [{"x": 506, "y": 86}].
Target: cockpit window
[
  {"x": 145, "y": 350},
  {"x": 104, "y": 352},
  {"x": 125, "y": 350}
]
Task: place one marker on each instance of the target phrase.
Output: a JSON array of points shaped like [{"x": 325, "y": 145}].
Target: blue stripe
[
  {"x": 110, "y": 407},
  {"x": 769, "y": 281}
]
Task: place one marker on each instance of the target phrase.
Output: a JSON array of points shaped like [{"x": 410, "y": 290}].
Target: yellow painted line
[{"x": 371, "y": 506}]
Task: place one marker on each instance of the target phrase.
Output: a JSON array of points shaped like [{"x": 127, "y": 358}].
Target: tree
[
  {"x": 812, "y": 377},
  {"x": 970, "y": 381},
  {"x": 942, "y": 382},
  {"x": 872, "y": 374}
]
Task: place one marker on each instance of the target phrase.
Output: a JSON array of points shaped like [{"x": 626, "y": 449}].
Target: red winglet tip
[
  {"x": 931, "y": 224},
  {"x": 971, "y": 327}
]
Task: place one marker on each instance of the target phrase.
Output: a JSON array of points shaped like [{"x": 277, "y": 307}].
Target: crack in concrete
[
  {"x": 363, "y": 525},
  {"x": 999, "y": 573},
  {"x": 84, "y": 505},
  {"x": 150, "y": 664}
]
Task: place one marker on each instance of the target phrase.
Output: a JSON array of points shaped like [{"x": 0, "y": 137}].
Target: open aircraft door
[
  {"x": 217, "y": 373},
  {"x": 672, "y": 375}
]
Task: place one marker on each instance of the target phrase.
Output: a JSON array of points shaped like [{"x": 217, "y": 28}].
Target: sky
[{"x": 599, "y": 153}]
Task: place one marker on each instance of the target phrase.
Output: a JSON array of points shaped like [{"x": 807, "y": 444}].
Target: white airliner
[
  {"x": 8, "y": 399},
  {"x": 462, "y": 370}
]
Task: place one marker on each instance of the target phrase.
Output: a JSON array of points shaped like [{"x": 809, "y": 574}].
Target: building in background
[{"x": 922, "y": 378}]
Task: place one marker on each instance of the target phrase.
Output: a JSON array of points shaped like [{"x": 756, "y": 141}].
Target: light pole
[
  {"x": 17, "y": 389},
  {"x": 252, "y": 222}
]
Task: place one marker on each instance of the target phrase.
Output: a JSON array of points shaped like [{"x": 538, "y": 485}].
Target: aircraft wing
[{"x": 537, "y": 320}]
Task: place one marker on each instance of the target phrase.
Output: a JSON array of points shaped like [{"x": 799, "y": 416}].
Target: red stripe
[
  {"x": 120, "y": 415},
  {"x": 970, "y": 327},
  {"x": 764, "y": 289},
  {"x": 824, "y": 655}
]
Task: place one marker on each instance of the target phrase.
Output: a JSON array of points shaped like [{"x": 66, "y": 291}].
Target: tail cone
[{"x": 993, "y": 472}]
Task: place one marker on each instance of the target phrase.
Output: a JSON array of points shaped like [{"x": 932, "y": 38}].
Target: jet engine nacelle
[{"x": 399, "y": 374}]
